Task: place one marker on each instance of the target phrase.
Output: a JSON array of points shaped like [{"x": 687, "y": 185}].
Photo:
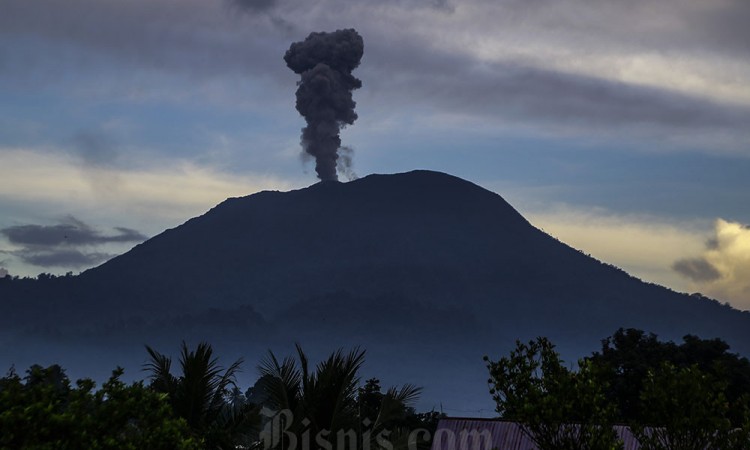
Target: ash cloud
[
  {"x": 325, "y": 62},
  {"x": 95, "y": 149},
  {"x": 97, "y": 153},
  {"x": 3, "y": 272},
  {"x": 67, "y": 244}
]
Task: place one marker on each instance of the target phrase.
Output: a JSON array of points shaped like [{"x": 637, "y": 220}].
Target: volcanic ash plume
[{"x": 324, "y": 97}]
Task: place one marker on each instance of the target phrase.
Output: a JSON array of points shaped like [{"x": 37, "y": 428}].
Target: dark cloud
[
  {"x": 253, "y": 5},
  {"x": 666, "y": 26},
  {"x": 520, "y": 93},
  {"x": 72, "y": 233},
  {"x": 443, "y": 5},
  {"x": 407, "y": 67},
  {"x": 67, "y": 258},
  {"x": 724, "y": 267},
  {"x": 68, "y": 244},
  {"x": 697, "y": 269},
  {"x": 724, "y": 26},
  {"x": 193, "y": 37}
]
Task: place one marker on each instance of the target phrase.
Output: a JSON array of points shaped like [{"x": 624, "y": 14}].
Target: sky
[{"x": 622, "y": 127}]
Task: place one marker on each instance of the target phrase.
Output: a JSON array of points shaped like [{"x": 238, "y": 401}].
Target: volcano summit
[{"x": 427, "y": 271}]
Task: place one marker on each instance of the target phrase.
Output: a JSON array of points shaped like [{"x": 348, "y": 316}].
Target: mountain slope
[
  {"x": 426, "y": 236},
  {"x": 422, "y": 265}
]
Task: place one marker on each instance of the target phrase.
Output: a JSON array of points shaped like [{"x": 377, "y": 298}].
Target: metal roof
[{"x": 497, "y": 434}]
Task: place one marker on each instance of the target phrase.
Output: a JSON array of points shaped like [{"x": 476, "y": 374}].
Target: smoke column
[{"x": 324, "y": 95}]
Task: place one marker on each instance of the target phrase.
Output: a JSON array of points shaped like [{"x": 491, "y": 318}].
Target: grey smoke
[
  {"x": 95, "y": 149},
  {"x": 697, "y": 269},
  {"x": 3, "y": 272},
  {"x": 345, "y": 163},
  {"x": 325, "y": 62},
  {"x": 96, "y": 152}
]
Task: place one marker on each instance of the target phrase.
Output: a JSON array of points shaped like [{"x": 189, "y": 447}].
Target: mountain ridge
[
  {"x": 430, "y": 218},
  {"x": 425, "y": 269}
]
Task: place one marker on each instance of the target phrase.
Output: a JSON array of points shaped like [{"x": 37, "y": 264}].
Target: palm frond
[
  {"x": 223, "y": 384},
  {"x": 336, "y": 387},
  {"x": 281, "y": 381},
  {"x": 159, "y": 367},
  {"x": 394, "y": 403},
  {"x": 407, "y": 395}
]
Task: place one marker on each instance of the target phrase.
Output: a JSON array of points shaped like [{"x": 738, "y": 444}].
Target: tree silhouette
[
  {"x": 322, "y": 402},
  {"x": 684, "y": 408},
  {"x": 205, "y": 395},
  {"x": 628, "y": 357},
  {"x": 559, "y": 409},
  {"x": 45, "y": 411}
]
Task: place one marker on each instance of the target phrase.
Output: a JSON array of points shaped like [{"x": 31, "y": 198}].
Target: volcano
[{"x": 429, "y": 272}]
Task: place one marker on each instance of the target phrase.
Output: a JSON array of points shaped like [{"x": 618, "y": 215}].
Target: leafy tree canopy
[
  {"x": 557, "y": 408},
  {"x": 43, "y": 410},
  {"x": 629, "y": 356},
  {"x": 686, "y": 408}
]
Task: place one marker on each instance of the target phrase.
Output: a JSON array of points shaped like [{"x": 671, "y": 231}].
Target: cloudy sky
[{"x": 620, "y": 126}]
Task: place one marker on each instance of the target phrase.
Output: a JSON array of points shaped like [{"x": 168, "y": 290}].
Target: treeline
[
  {"x": 196, "y": 404},
  {"x": 689, "y": 396},
  {"x": 42, "y": 277},
  {"x": 694, "y": 395}
]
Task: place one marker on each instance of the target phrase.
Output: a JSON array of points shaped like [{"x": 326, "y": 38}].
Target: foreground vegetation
[
  {"x": 689, "y": 396},
  {"x": 201, "y": 407}
]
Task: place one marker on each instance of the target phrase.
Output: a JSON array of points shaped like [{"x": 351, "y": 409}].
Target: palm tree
[
  {"x": 204, "y": 394},
  {"x": 325, "y": 400}
]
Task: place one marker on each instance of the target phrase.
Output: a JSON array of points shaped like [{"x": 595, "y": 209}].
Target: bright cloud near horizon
[{"x": 620, "y": 127}]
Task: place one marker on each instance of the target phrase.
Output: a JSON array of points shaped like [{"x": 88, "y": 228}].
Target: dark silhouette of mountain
[{"x": 426, "y": 270}]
